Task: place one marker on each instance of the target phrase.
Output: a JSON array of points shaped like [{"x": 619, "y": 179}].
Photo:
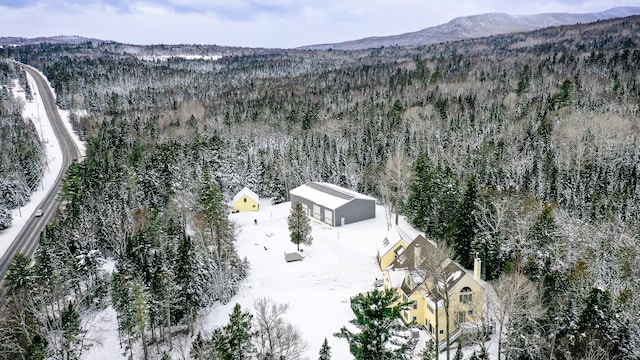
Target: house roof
[
  {"x": 328, "y": 195},
  {"x": 246, "y": 191},
  {"x": 396, "y": 278},
  {"x": 455, "y": 273},
  {"x": 391, "y": 239},
  {"x": 411, "y": 259},
  {"x": 417, "y": 249}
]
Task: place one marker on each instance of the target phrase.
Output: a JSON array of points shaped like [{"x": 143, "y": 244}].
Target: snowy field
[
  {"x": 339, "y": 264},
  {"x": 34, "y": 111}
]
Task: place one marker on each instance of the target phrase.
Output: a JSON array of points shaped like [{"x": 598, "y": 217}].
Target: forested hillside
[
  {"x": 520, "y": 149},
  {"x": 21, "y": 156}
]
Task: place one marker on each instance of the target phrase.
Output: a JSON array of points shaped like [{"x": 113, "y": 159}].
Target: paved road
[{"x": 27, "y": 240}]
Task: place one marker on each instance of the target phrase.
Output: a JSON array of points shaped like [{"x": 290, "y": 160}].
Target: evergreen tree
[
  {"x": 598, "y": 329},
  {"x": 187, "y": 280},
  {"x": 325, "y": 351},
  {"x": 5, "y": 218},
  {"x": 123, "y": 303},
  {"x": 378, "y": 317},
  {"x": 212, "y": 207},
  {"x": 71, "y": 328},
  {"x": 20, "y": 277},
  {"x": 542, "y": 234},
  {"x": 465, "y": 228},
  {"x": 299, "y": 227},
  {"x": 234, "y": 342},
  {"x": 433, "y": 198}
]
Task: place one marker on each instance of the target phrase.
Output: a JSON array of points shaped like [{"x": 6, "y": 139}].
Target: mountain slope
[{"x": 478, "y": 26}]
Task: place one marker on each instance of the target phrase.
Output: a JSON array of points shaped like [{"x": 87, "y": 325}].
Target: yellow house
[
  {"x": 461, "y": 292},
  {"x": 394, "y": 243},
  {"x": 246, "y": 200}
]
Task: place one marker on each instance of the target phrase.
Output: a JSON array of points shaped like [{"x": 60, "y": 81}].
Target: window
[
  {"x": 466, "y": 295},
  {"x": 430, "y": 308},
  {"x": 461, "y": 317},
  {"x": 244, "y": 199},
  {"x": 414, "y": 319},
  {"x": 415, "y": 305}
]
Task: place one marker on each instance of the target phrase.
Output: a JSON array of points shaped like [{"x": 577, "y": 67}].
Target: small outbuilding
[
  {"x": 246, "y": 200},
  {"x": 332, "y": 204},
  {"x": 291, "y": 257}
]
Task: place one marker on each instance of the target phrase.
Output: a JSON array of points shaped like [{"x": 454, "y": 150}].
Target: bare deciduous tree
[
  {"x": 517, "y": 307},
  {"x": 275, "y": 338},
  {"x": 396, "y": 180}
]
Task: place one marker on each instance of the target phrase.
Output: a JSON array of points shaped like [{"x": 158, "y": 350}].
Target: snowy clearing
[{"x": 339, "y": 264}]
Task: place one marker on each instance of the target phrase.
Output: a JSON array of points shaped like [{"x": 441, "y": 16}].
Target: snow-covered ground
[
  {"x": 339, "y": 264},
  {"x": 35, "y": 111}
]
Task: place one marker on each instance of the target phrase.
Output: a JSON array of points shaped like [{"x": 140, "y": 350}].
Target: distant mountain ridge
[
  {"x": 460, "y": 28},
  {"x": 476, "y": 26},
  {"x": 60, "y": 39}
]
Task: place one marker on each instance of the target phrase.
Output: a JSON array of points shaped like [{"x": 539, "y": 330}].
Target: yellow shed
[{"x": 246, "y": 200}]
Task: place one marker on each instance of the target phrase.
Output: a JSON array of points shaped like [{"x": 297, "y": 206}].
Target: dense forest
[
  {"x": 519, "y": 149},
  {"x": 22, "y": 157}
]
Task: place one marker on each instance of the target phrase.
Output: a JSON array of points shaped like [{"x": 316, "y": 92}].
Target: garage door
[
  {"x": 328, "y": 217},
  {"x": 316, "y": 212},
  {"x": 305, "y": 207}
]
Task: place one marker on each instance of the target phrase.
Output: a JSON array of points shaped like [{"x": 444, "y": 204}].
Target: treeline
[
  {"x": 522, "y": 150},
  {"x": 22, "y": 157}
]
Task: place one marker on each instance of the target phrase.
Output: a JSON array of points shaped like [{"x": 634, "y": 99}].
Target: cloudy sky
[{"x": 256, "y": 23}]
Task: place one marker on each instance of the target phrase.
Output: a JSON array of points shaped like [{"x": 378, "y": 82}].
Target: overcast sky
[{"x": 256, "y": 23}]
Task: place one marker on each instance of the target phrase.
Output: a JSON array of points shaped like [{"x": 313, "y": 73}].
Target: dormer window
[{"x": 466, "y": 295}]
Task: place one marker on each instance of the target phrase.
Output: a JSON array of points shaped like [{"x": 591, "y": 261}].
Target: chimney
[
  {"x": 477, "y": 268},
  {"x": 417, "y": 256}
]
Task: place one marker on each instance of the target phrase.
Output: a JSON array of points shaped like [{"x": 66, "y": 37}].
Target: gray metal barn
[{"x": 332, "y": 204}]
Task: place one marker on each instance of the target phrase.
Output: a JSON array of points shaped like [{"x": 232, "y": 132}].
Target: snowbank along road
[{"x": 27, "y": 240}]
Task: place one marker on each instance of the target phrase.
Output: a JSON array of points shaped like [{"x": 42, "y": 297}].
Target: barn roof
[
  {"x": 246, "y": 191},
  {"x": 328, "y": 195}
]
